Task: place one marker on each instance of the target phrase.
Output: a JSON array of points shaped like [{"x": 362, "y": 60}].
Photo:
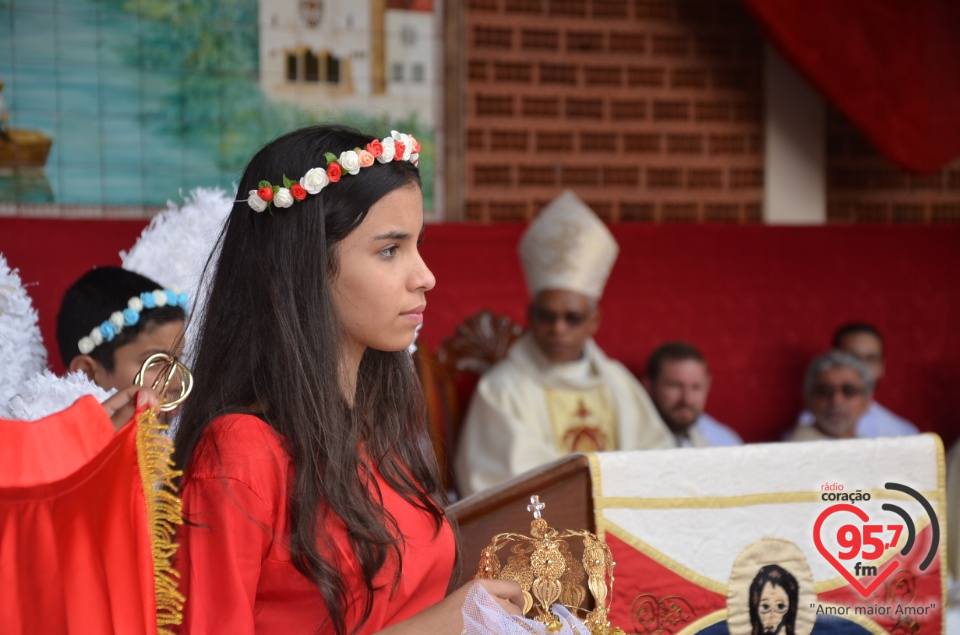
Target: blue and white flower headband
[{"x": 119, "y": 320}]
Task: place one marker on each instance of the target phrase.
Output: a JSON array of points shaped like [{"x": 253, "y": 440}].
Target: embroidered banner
[{"x": 798, "y": 538}]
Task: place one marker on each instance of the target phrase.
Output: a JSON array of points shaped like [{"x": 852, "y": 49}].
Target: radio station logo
[{"x": 861, "y": 541}]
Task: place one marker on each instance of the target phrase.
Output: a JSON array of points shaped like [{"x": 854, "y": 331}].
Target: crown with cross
[{"x": 548, "y": 572}]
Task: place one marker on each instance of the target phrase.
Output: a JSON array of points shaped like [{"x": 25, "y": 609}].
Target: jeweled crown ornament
[{"x": 547, "y": 572}]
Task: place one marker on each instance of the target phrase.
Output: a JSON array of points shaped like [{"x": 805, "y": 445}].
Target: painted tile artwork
[{"x": 128, "y": 104}]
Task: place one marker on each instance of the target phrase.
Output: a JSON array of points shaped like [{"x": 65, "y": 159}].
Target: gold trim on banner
[
  {"x": 942, "y": 519},
  {"x": 597, "y": 485},
  {"x": 745, "y": 500},
  {"x": 604, "y": 524},
  {"x": 665, "y": 560}
]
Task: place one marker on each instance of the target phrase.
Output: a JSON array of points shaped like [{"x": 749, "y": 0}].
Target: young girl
[{"x": 312, "y": 497}]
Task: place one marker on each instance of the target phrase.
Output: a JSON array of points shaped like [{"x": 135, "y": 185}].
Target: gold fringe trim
[{"x": 164, "y": 514}]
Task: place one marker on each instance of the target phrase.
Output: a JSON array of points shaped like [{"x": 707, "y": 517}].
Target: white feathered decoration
[
  {"x": 174, "y": 247},
  {"x": 45, "y": 393},
  {"x": 22, "y": 353}
]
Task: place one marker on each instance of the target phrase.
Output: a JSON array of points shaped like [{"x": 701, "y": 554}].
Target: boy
[{"x": 111, "y": 320}]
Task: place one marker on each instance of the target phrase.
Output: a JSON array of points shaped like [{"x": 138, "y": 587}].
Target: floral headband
[
  {"x": 119, "y": 320},
  {"x": 397, "y": 147}
]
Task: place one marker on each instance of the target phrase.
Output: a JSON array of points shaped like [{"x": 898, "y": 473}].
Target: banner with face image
[{"x": 780, "y": 539}]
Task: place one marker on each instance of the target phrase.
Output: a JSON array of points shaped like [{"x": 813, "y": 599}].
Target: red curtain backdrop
[
  {"x": 891, "y": 66},
  {"x": 759, "y": 301},
  {"x": 51, "y": 254}
]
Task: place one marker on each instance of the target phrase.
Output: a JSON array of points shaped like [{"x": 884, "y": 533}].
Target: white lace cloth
[{"x": 483, "y": 616}]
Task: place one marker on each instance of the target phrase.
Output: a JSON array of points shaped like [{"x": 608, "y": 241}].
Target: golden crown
[{"x": 547, "y": 572}]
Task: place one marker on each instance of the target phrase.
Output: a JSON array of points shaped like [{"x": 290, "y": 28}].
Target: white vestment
[
  {"x": 876, "y": 422},
  {"x": 707, "y": 432},
  {"x": 508, "y": 427}
]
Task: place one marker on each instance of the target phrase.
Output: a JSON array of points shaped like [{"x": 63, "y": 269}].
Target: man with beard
[
  {"x": 773, "y": 601},
  {"x": 838, "y": 391},
  {"x": 678, "y": 382}
]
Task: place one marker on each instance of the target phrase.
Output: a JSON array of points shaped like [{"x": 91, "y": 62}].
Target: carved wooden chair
[
  {"x": 449, "y": 376},
  {"x": 479, "y": 342}
]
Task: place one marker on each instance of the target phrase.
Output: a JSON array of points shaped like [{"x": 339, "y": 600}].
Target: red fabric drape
[
  {"x": 891, "y": 66},
  {"x": 44, "y": 451},
  {"x": 75, "y": 551},
  {"x": 759, "y": 301},
  {"x": 52, "y": 253}
]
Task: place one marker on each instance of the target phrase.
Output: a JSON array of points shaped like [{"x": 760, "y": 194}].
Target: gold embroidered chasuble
[{"x": 527, "y": 411}]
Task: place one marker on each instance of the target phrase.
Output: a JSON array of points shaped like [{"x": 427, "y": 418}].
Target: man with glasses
[
  {"x": 556, "y": 392},
  {"x": 838, "y": 390},
  {"x": 864, "y": 341}
]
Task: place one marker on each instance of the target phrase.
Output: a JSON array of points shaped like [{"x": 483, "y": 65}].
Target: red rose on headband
[
  {"x": 400, "y": 149},
  {"x": 416, "y": 145},
  {"x": 297, "y": 192},
  {"x": 266, "y": 193},
  {"x": 334, "y": 172},
  {"x": 375, "y": 148}
]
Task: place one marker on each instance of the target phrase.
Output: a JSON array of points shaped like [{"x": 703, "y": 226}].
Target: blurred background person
[
  {"x": 678, "y": 382},
  {"x": 837, "y": 391}
]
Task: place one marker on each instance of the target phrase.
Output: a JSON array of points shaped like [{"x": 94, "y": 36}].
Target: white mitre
[{"x": 568, "y": 247}]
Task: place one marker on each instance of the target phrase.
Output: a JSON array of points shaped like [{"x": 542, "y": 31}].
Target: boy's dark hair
[
  {"x": 89, "y": 302},
  {"x": 269, "y": 344},
  {"x": 852, "y": 328},
  {"x": 672, "y": 351}
]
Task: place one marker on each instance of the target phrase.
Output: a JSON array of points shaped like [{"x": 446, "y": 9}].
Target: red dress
[
  {"x": 236, "y": 570},
  {"x": 75, "y": 540}
]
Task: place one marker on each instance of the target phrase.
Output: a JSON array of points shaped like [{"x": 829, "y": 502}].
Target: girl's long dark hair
[{"x": 268, "y": 344}]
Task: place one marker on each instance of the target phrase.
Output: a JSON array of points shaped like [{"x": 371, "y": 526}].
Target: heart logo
[{"x": 855, "y": 583}]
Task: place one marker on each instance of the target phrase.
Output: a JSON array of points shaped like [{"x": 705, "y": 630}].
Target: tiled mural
[{"x": 115, "y": 107}]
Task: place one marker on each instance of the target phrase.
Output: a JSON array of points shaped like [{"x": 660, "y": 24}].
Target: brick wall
[
  {"x": 651, "y": 110},
  {"x": 864, "y": 187}
]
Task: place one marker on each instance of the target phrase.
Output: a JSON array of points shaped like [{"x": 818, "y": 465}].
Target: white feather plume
[
  {"x": 22, "y": 353},
  {"x": 45, "y": 393},
  {"x": 175, "y": 246}
]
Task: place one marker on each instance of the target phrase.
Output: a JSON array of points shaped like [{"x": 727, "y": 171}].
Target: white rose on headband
[
  {"x": 407, "y": 142},
  {"x": 135, "y": 303},
  {"x": 283, "y": 198},
  {"x": 85, "y": 345},
  {"x": 256, "y": 203},
  {"x": 160, "y": 297},
  {"x": 116, "y": 318},
  {"x": 388, "y": 151},
  {"x": 349, "y": 161},
  {"x": 96, "y": 336},
  {"x": 315, "y": 180}
]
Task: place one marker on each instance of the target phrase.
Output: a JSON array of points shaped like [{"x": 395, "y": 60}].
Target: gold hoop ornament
[{"x": 169, "y": 367}]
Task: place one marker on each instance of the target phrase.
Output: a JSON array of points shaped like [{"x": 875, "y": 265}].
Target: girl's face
[{"x": 381, "y": 281}]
